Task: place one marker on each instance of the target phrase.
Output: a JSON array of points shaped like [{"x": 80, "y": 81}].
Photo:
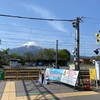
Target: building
[{"x": 15, "y": 63}]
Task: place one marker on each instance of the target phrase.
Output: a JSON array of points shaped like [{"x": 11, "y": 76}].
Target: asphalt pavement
[{"x": 32, "y": 90}]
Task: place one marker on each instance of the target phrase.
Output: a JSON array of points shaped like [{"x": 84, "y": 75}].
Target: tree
[
  {"x": 40, "y": 55},
  {"x": 15, "y": 56},
  {"x": 29, "y": 57},
  {"x": 64, "y": 55},
  {"x": 96, "y": 58},
  {"x": 49, "y": 53},
  {"x": 4, "y": 56}
]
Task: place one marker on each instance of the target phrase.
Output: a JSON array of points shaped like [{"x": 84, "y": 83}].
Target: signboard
[
  {"x": 97, "y": 67},
  {"x": 1, "y": 75},
  {"x": 62, "y": 75},
  {"x": 69, "y": 77},
  {"x": 54, "y": 74},
  {"x": 72, "y": 77},
  {"x": 92, "y": 72},
  {"x": 65, "y": 76}
]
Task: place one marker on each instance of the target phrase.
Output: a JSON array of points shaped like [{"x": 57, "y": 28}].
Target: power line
[
  {"x": 46, "y": 19},
  {"x": 89, "y": 45},
  {"x": 90, "y": 18},
  {"x": 35, "y": 18},
  {"x": 30, "y": 28},
  {"x": 41, "y": 33},
  {"x": 9, "y": 36},
  {"x": 91, "y": 22}
]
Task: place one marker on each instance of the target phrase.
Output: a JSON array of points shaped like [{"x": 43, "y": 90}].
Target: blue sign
[
  {"x": 62, "y": 75},
  {"x": 54, "y": 74}
]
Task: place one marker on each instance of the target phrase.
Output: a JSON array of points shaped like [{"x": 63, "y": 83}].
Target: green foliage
[
  {"x": 28, "y": 57},
  {"x": 64, "y": 55},
  {"x": 15, "y": 56},
  {"x": 49, "y": 53},
  {"x": 97, "y": 58},
  {"x": 46, "y": 54},
  {"x": 4, "y": 56},
  {"x": 40, "y": 55}
]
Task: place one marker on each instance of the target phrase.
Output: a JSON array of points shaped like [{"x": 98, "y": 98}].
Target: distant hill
[{"x": 27, "y": 47}]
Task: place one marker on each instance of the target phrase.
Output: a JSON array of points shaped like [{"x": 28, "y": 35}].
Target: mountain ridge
[{"x": 27, "y": 47}]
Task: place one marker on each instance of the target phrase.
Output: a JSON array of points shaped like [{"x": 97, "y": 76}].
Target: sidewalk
[{"x": 32, "y": 90}]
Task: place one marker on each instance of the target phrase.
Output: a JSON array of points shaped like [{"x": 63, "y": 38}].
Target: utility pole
[
  {"x": 77, "y": 44},
  {"x": 76, "y": 25},
  {"x": 56, "y": 53},
  {"x": 77, "y": 40}
]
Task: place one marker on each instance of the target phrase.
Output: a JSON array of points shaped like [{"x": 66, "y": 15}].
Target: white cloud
[{"x": 47, "y": 14}]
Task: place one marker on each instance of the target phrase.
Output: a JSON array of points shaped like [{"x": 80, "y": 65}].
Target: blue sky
[{"x": 15, "y": 32}]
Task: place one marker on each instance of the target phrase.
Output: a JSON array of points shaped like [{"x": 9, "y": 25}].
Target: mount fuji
[{"x": 27, "y": 47}]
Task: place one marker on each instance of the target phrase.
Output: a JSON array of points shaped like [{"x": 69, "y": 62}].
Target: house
[{"x": 83, "y": 59}]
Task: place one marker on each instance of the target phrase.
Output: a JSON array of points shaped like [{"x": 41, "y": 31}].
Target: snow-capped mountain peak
[
  {"x": 30, "y": 44},
  {"x": 27, "y": 47}
]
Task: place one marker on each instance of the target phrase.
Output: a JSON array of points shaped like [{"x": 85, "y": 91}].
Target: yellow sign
[
  {"x": 98, "y": 38},
  {"x": 92, "y": 72}
]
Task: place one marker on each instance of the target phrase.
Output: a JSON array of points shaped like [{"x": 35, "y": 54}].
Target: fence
[{"x": 21, "y": 74}]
